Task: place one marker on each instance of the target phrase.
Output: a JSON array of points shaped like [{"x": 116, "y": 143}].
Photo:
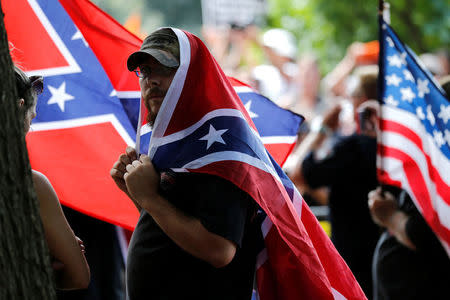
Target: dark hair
[
  {"x": 27, "y": 87},
  {"x": 367, "y": 82},
  {"x": 24, "y": 88}
]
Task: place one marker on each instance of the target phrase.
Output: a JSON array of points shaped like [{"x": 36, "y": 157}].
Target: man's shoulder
[{"x": 354, "y": 140}]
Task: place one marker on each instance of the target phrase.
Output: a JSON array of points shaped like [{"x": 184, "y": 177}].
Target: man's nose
[{"x": 150, "y": 80}]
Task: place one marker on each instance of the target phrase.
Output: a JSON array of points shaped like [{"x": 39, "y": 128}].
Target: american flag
[
  {"x": 414, "y": 149},
  {"x": 206, "y": 128}
]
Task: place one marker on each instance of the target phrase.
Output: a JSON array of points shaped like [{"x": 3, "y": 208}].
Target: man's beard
[{"x": 151, "y": 117}]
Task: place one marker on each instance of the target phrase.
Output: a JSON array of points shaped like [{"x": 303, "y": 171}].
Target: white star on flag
[
  {"x": 214, "y": 136},
  {"x": 447, "y": 136},
  {"x": 59, "y": 95},
  {"x": 419, "y": 113},
  {"x": 390, "y": 100},
  {"x": 393, "y": 80},
  {"x": 248, "y": 108},
  {"x": 438, "y": 138},
  {"x": 403, "y": 58},
  {"x": 422, "y": 86},
  {"x": 395, "y": 61},
  {"x": 390, "y": 41},
  {"x": 407, "y": 94},
  {"x": 79, "y": 36},
  {"x": 444, "y": 114},
  {"x": 430, "y": 115},
  {"x": 408, "y": 75}
]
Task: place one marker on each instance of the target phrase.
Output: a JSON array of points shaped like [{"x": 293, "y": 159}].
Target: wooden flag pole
[
  {"x": 380, "y": 7},
  {"x": 385, "y": 14}
]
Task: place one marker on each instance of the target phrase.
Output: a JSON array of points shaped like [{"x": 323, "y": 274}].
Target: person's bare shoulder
[
  {"x": 38, "y": 177},
  {"x": 42, "y": 185}
]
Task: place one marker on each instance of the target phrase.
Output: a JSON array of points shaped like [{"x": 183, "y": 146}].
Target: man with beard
[{"x": 193, "y": 237}]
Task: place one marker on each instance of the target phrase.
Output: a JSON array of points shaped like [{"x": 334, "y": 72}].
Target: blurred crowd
[{"x": 334, "y": 161}]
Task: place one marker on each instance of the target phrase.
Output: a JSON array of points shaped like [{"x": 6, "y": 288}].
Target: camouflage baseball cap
[{"x": 162, "y": 44}]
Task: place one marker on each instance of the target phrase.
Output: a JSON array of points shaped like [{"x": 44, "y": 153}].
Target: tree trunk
[{"x": 25, "y": 271}]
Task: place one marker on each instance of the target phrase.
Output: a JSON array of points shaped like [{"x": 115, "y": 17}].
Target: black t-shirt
[
  {"x": 350, "y": 173},
  {"x": 402, "y": 273},
  {"x": 158, "y": 269}
]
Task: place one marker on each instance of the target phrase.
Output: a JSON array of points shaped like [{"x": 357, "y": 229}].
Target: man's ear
[{"x": 21, "y": 102}]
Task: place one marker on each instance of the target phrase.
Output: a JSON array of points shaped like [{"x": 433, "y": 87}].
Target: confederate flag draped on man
[{"x": 195, "y": 237}]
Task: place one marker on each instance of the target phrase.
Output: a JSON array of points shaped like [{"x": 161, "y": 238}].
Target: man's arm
[{"x": 142, "y": 182}]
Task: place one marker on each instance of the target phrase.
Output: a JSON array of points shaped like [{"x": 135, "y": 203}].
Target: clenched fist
[
  {"x": 382, "y": 207},
  {"x": 119, "y": 168},
  {"x": 142, "y": 180}
]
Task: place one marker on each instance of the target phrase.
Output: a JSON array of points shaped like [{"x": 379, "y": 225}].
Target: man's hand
[
  {"x": 331, "y": 117},
  {"x": 142, "y": 180},
  {"x": 119, "y": 168},
  {"x": 382, "y": 207},
  {"x": 385, "y": 212}
]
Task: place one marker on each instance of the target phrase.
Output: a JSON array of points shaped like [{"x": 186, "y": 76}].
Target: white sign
[{"x": 237, "y": 12}]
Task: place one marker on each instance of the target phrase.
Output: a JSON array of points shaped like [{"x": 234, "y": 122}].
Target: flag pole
[
  {"x": 381, "y": 16},
  {"x": 380, "y": 7}
]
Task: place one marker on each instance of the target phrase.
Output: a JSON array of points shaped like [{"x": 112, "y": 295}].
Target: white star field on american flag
[
  {"x": 407, "y": 88},
  {"x": 414, "y": 142}
]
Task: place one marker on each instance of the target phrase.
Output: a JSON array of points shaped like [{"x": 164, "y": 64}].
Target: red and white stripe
[{"x": 409, "y": 158}]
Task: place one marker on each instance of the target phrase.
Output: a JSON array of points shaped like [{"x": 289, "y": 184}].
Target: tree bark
[{"x": 25, "y": 271}]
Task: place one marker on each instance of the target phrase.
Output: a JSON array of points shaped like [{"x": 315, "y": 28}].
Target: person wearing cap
[
  {"x": 194, "y": 235},
  {"x": 275, "y": 80},
  {"x": 66, "y": 250}
]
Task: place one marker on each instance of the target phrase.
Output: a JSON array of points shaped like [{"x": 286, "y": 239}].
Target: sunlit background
[{"x": 324, "y": 27}]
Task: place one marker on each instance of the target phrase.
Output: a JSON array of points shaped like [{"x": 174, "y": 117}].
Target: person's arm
[
  {"x": 187, "y": 232},
  {"x": 385, "y": 212},
  {"x": 334, "y": 81},
  {"x": 64, "y": 247},
  {"x": 313, "y": 141}
]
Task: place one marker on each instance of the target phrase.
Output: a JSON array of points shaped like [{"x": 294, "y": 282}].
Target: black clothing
[
  {"x": 350, "y": 173},
  {"x": 158, "y": 269},
  {"x": 402, "y": 273}
]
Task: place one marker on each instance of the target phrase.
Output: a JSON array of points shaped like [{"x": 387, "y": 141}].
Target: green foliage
[
  {"x": 327, "y": 27},
  {"x": 184, "y": 14}
]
